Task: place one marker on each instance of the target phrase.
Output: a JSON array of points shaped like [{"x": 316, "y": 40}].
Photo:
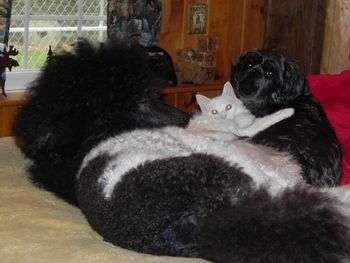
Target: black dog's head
[{"x": 266, "y": 81}]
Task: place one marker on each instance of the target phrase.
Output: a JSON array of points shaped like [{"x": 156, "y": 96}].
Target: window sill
[{"x": 20, "y": 80}]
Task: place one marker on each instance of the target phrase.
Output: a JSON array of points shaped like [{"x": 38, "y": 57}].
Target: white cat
[{"x": 225, "y": 117}]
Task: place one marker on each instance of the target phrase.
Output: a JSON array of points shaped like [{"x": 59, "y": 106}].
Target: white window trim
[{"x": 18, "y": 81}]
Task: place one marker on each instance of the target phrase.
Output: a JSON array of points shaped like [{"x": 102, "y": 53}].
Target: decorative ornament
[{"x": 7, "y": 62}]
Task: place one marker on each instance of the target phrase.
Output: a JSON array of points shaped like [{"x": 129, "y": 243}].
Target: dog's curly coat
[
  {"x": 198, "y": 205},
  {"x": 81, "y": 98},
  {"x": 266, "y": 81}
]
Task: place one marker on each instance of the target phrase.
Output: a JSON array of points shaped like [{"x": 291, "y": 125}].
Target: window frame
[{"x": 18, "y": 80}]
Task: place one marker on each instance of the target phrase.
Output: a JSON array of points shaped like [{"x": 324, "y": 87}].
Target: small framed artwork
[
  {"x": 197, "y": 23},
  {"x": 207, "y": 43},
  {"x": 202, "y": 43},
  {"x": 213, "y": 44},
  {"x": 209, "y": 59}
]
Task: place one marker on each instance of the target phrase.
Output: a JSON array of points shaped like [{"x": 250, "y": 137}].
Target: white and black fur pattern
[
  {"x": 267, "y": 167},
  {"x": 197, "y": 200},
  {"x": 172, "y": 192}
]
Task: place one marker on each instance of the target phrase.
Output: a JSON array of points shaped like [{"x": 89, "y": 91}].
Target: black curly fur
[
  {"x": 299, "y": 225},
  {"x": 156, "y": 207},
  {"x": 266, "y": 81},
  {"x": 200, "y": 206},
  {"x": 87, "y": 96}
]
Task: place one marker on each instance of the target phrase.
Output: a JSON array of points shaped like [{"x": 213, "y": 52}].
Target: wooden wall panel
[
  {"x": 296, "y": 28},
  {"x": 238, "y": 24},
  {"x": 336, "y": 43},
  {"x": 234, "y": 34},
  {"x": 253, "y": 24},
  {"x": 171, "y": 37},
  {"x": 8, "y": 110},
  {"x": 218, "y": 26},
  {"x": 7, "y": 115}
]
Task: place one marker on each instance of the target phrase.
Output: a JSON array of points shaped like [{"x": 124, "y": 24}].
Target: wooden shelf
[
  {"x": 8, "y": 109},
  {"x": 12, "y": 99},
  {"x": 190, "y": 88},
  {"x": 182, "y": 97}
]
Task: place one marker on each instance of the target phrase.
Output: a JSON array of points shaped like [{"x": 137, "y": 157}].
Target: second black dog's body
[{"x": 266, "y": 82}]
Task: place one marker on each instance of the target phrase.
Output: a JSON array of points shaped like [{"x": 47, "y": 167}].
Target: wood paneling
[
  {"x": 336, "y": 44},
  {"x": 184, "y": 98},
  {"x": 253, "y": 24},
  {"x": 8, "y": 109},
  {"x": 238, "y": 24},
  {"x": 296, "y": 28}
]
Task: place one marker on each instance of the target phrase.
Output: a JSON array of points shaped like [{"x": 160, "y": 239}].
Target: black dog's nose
[{"x": 245, "y": 90}]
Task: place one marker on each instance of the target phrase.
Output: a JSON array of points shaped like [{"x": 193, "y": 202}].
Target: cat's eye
[
  {"x": 214, "y": 112},
  {"x": 228, "y": 107}
]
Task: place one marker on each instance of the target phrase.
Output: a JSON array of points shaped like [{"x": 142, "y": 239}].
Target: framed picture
[
  {"x": 207, "y": 43},
  {"x": 197, "y": 23}
]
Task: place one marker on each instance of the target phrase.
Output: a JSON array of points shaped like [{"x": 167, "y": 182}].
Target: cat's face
[
  {"x": 222, "y": 107},
  {"x": 225, "y": 106}
]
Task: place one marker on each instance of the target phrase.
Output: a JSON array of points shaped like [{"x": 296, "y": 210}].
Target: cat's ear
[
  {"x": 228, "y": 90},
  {"x": 202, "y": 101}
]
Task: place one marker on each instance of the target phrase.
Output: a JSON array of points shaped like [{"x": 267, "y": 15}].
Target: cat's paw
[
  {"x": 235, "y": 131},
  {"x": 285, "y": 113},
  {"x": 289, "y": 111}
]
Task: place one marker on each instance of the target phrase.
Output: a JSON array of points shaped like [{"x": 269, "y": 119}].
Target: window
[{"x": 38, "y": 24}]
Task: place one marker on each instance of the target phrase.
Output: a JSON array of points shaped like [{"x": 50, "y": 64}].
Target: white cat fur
[
  {"x": 236, "y": 120},
  {"x": 204, "y": 134},
  {"x": 131, "y": 149}
]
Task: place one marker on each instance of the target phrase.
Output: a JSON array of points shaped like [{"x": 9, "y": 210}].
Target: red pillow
[{"x": 333, "y": 92}]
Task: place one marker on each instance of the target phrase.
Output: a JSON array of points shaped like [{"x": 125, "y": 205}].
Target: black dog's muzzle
[{"x": 247, "y": 83}]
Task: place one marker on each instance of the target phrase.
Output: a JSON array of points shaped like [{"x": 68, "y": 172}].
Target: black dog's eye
[
  {"x": 269, "y": 74},
  {"x": 247, "y": 65},
  {"x": 269, "y": 71}
]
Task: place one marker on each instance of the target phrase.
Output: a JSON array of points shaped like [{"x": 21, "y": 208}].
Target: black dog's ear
[
  {"x": 295, "y": 80},
  {"x": 161, "y": 63},
  {"x": 294, "y": 84},
  {"x": 288, "y": 71}
]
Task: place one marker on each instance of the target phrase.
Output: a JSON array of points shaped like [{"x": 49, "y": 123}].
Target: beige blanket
[{"x": 37, "y": 227}]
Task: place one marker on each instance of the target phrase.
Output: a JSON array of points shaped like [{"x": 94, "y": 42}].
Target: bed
[{"x": 36, "y": 226}]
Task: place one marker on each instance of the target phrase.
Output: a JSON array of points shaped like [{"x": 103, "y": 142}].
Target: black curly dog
[
  {"x": 266, "y": 81},
  {"x": 83, "y": 98},
  {"x": 194, "y": 206}
]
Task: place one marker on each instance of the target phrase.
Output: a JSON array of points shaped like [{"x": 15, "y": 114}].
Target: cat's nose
[{"x": 223, "y": 115}]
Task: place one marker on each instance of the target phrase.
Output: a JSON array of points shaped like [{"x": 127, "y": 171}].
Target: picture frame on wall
[{"x": 197, "y": 21}]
